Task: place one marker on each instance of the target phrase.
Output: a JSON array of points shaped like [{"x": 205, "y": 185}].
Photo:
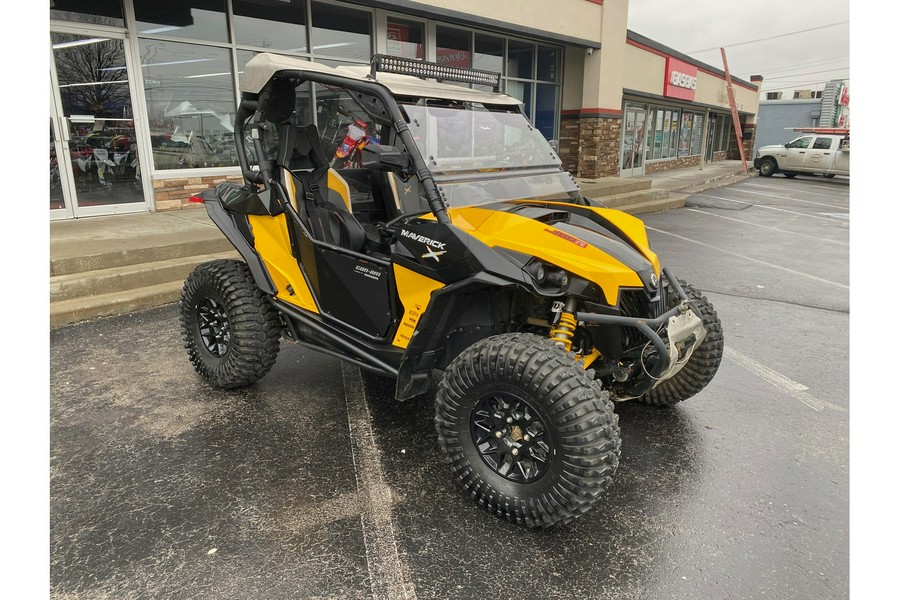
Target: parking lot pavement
[{"x": 314, "y": 483}]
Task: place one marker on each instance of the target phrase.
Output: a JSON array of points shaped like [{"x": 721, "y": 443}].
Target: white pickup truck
[{"x": 816, "y": 151}]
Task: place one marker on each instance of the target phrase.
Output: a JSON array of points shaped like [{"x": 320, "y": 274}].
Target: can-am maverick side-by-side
[{"x": 462, "y": 249}]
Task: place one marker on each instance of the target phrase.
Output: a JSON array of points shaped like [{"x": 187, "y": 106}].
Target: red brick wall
[{"x": 173, "y": 194}]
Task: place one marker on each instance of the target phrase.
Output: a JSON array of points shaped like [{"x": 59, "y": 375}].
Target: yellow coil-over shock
[{"x": 562, "y": 328}]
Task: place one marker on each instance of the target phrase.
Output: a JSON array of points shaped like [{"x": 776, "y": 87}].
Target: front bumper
[{"x": 683, "y": 322}]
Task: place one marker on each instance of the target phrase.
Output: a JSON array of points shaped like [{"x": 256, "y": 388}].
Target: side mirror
[{"x": 376, "y": 157}]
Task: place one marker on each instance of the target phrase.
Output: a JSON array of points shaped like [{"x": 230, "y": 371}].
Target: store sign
[
  {"x": 681, "y": 79},
  {"x": 842, "y": 106}
]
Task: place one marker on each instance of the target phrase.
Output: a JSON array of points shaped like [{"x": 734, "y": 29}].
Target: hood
[{"x": 604, "y": 246}]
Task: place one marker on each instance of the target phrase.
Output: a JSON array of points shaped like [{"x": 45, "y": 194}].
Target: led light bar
[{"x": 382, "y": 63}]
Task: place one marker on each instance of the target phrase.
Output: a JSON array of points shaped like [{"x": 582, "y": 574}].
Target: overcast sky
[{"x": 796, "y": 59}]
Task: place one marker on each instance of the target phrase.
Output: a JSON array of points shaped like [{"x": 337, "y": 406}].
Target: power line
[
  {"x": 781, "y": 35},
  {"x": 809, "y": 73},
  {"x": 808, "y": 64},
  {"x": 797, "y": 86}
]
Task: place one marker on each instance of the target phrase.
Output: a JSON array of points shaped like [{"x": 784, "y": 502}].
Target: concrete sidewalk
[{"x": 102, "y": 266}]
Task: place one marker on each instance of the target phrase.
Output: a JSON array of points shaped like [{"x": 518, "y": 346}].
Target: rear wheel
[
  {"x": 528, "y": 435},
  {"x": 829, "y": 175},
  {"x": 230, "y": 330},
  {"x": 767, "y": 167},
  {"x": 789, "y": 174},
  {"x": 704, "y": 362}
]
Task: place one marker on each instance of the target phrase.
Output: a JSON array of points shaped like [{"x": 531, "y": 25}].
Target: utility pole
[{"x": 738, "y": 134}]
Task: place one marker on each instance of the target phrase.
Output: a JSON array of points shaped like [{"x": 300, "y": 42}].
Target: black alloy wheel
[
  {"x": 213, "y": 326},
  {"x": 511, "y": 437}
]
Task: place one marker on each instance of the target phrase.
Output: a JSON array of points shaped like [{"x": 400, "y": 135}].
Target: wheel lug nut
[
  {"x": 509, "y": 419},
  {"x": 526, "y": 437},
  {"x": 515, "y": 451},
  {"x": 498, "y": 434}
]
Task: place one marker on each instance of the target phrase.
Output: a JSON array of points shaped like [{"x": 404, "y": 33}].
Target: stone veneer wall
[
  {"x": 599, "y": 154},
  {"x": 589, "y": 146},
  {"x": 668, "y": 165},
  {"x": 173, "y": 194}
]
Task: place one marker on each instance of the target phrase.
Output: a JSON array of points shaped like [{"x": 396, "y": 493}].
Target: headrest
[{"x": 299, "y": 147}]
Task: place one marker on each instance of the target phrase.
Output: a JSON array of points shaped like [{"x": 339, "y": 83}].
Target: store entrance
[
  {"x": 633, "y": 141},
  {"x": 94, "y": 164}
]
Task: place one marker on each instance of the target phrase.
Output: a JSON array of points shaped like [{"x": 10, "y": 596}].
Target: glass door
[
  {"x": 94, "y": 164},
  {"x": 633, "y": 148}
]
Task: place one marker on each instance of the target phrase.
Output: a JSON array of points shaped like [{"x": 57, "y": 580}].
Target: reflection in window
[
  {"x": 196, "y": 19},
  {"x": 405, "y": 38},
  {"x": 545, "y": 109},
  {"x": 548, "y": 63},
  {"x": 96, "y": 12},
  {"x": 341, "y": 32},
  {"x": 522, "y": 91},
  {"x": 520, "y": 62},
  {"x": 454, "y": 47},
  {"x": 264, "y": 24},
  {"x": 488, "y": 53},
  {"x": 190, "y": 104}
]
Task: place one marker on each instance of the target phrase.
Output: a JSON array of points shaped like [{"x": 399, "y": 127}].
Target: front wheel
[
  {"x": 528, "y": 435},
  {"x": 704, "y": 362},
  {"x": 790, "y": 174},
  {"x": 230, "y": 330},
  {"x": 767, "y": 167}
]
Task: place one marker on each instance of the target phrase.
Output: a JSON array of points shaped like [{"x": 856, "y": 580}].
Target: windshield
[
  {"x": 480, "y": 154},
  {"x": 461, "y": 137}
]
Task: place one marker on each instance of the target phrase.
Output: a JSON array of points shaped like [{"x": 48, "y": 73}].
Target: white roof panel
[{"x": 262, "y": 67}]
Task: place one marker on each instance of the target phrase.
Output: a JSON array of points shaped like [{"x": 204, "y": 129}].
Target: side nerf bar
[{"x": 648, "y": 327}]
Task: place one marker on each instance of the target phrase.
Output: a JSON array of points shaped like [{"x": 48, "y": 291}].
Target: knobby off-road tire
[
  {"x": 230, "y": 330},
  {"x": 704, "y": 362},
  {"x": 544, "y": 405},
  {"x": 767, "y": 167}
]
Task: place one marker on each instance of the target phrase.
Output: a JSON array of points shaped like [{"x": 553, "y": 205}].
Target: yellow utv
[{"x": 456, "y": 251}]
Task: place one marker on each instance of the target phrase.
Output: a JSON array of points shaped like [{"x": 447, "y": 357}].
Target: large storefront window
[
  {"x": 96, "y": 12},
  {"x": 341, "y": 32},
  {"x": 454, "y": 47},
  {"x": 264, "y": 24},
  {"x": 406, "y": 38},
  {"x": 190, "y": 104},
  {"x": 184, "y": 19},
  {"x": 488, "y": 53}
]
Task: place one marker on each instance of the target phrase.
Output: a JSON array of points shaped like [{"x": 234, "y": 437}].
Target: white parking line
[
  {"x": 745, "y": 191},
  {"x": 388, "y": 573},
  {"x": 838, "y": 196},
  {"x": 750, "y": 258},
  {"x": 793, "y": 233},
  {"x": 784, "y": 210},
  {"x": 791, "y": 387}
]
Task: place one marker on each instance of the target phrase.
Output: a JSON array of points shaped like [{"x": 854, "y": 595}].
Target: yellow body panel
[
  {"x": 273, "y": 244},
  {"x": 415, "y": 293},
  {"x": 508, "y": 230}
]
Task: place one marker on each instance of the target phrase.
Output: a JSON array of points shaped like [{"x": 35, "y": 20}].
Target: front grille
[{"x": 637, "y": 303}]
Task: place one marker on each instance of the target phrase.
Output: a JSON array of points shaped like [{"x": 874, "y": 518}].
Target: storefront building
[{"x": 143, "y": 92}]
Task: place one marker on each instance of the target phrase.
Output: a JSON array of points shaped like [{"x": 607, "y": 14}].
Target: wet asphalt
[{"x": 314, "y": 483}]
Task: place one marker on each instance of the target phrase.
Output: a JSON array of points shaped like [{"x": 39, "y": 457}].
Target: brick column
[{"x": 589, "y": 145}]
